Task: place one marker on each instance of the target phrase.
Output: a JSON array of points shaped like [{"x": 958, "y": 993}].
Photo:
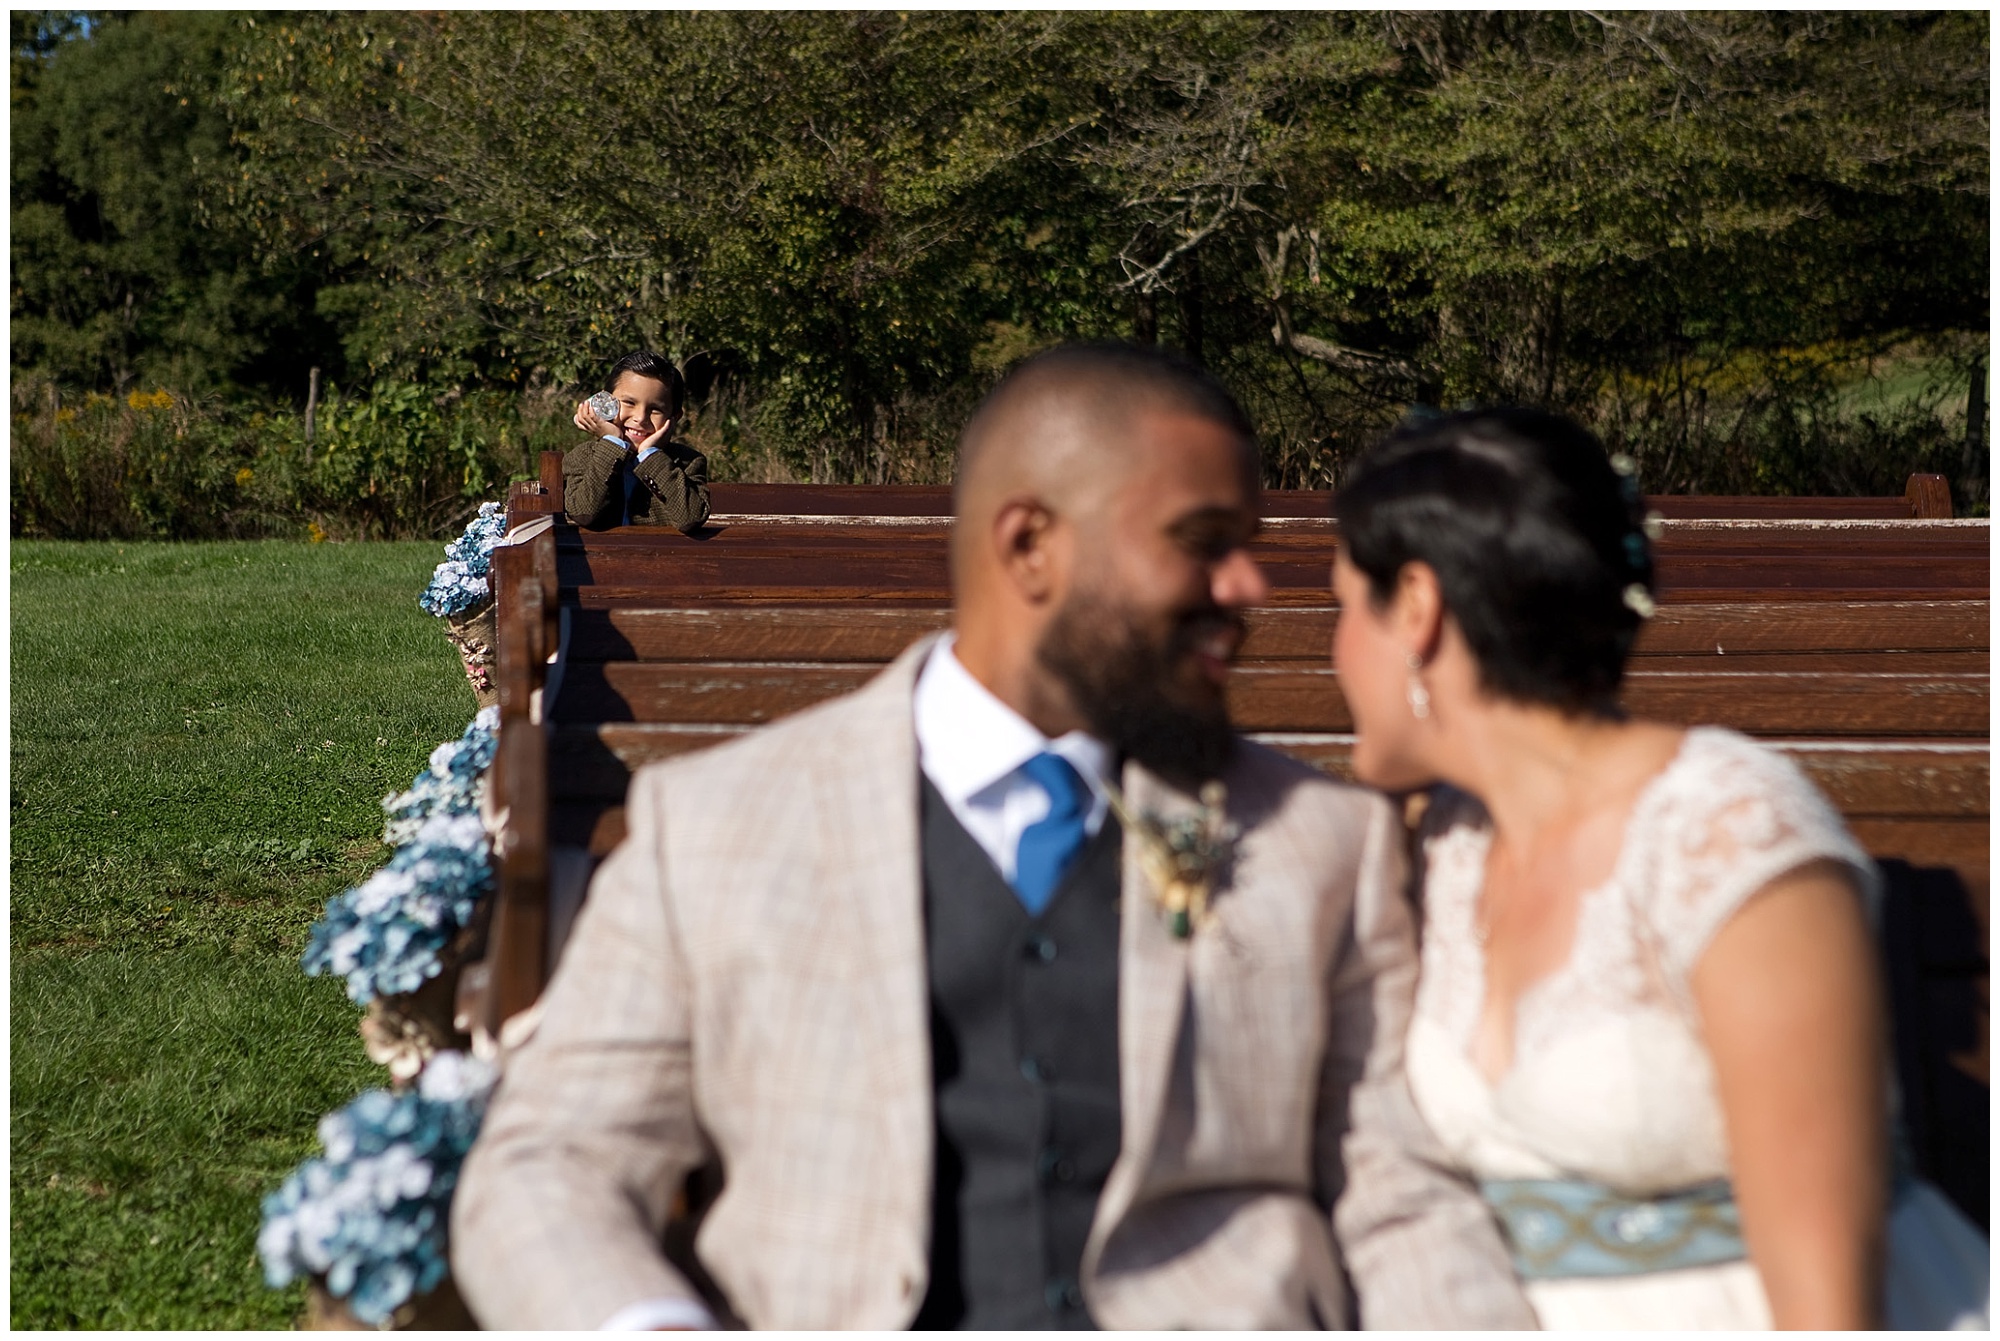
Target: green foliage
[
  {"x": 200, "y": 737},
  {"x": 401, "y": 461},
  {"x": 116, "y": 280},
  {"x": 1552, "y": 200},
  {"x": 855, "y": 220},
  {"x": 812, "y": 193}
]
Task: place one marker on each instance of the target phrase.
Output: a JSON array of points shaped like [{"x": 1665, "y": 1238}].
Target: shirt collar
[{"x": 968, "y": 740}]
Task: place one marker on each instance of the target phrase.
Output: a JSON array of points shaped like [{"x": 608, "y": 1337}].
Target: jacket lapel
[
  {"x": 871, "y": 807},
  {"x": 1152, "y": 992}
]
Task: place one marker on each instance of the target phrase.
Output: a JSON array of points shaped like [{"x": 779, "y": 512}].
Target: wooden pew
[
  {"x": 1926, "y": 496},
  {"x": 1848, "y": 633}
]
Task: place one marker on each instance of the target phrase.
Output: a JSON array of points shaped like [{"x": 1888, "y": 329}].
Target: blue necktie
[
  {"x": 635, "y": 488},
  {"x": 1050, "y": 844}
]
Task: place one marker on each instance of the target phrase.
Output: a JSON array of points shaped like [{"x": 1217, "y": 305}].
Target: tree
[
  {"x": 1687, "y": 229},
  {"x": 1540, "y": 201},
  {"x": 828, "y": 197},
  {"x": 115, "y": 278}
]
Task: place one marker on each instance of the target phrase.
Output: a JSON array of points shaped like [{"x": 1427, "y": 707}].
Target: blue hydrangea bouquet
[
  {"x": 367, "y": 1219},
  {"x": 464, "y": 580},
  {"x": 369, "y": 1216},
  {"x": 385, "y": 936},
  {"x": 460, "y": 592}
]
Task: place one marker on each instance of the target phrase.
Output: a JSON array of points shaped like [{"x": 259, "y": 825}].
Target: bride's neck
[{"x": 1529, "y": 765}]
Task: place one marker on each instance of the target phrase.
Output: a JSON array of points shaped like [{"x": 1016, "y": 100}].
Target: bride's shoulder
[
  {"x": 1719, "y": 775},
  {"x": 1726, "y": 818}
]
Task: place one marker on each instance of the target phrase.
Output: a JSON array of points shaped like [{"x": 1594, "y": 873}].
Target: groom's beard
[{"x": 1141, "y": 690}]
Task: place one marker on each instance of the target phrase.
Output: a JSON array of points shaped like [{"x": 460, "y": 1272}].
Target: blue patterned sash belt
[{"x": 1559, "y": 1228}]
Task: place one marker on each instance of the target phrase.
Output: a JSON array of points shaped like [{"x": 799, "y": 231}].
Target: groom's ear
[{"x": 1022, "y": 537}]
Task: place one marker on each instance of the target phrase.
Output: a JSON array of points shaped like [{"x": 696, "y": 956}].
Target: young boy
[{"x": 630, "y": 473}]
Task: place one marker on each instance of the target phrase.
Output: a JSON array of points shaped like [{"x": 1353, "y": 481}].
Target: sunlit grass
[{"x": 201, "y": 735}]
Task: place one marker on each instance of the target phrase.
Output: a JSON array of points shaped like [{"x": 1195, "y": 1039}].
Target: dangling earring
[{"x": 1420, "y": 697}]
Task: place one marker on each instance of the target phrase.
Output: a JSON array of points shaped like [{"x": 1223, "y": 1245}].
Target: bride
[{"x": 1649, "y": 1021}]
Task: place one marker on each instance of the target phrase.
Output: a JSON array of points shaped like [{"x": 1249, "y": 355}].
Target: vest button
[
  {"x": 1062, "y": 1293},
  {"x": 1034, "y": 1068},
  {"x": 1041, "y": 948},
  {"x": 1055, "y": 1167}
]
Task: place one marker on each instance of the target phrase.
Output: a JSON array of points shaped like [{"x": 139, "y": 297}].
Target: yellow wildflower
[
  {"x": 244, "y": 476},
  {"x": 313, "y": 530}
]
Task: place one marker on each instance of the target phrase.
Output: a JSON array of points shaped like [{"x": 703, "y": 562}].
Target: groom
[{"x": 897, "y": 967}]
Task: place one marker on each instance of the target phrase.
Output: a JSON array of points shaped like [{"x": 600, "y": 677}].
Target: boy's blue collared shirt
[{"x": 632, "y": 484}]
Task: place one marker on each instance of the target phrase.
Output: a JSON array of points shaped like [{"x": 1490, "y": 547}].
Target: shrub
[
  {"x": 401, "y": 462},
  {"x": 410, "y": 461}
]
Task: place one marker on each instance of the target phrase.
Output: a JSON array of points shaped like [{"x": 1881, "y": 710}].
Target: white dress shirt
[{"x": 971, "y": 746}]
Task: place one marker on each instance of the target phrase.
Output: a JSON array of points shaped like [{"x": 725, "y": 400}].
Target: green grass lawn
[{"x": 201, "y": 735}]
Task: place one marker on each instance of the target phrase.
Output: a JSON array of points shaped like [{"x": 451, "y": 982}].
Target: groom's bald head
[
  {"x": 1063, "y": 423},
  {"x": 1106, "y": 498}
]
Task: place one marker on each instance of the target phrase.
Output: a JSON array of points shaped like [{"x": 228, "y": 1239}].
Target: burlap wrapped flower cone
[
  {"x": 404, "y": 1030},
  {"x": 475, "y": 634},
  {"x": 442, "y": 1310}
]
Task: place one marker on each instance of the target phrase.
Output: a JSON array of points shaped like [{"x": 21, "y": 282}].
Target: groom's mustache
[{"x": 1212, "y": 629}]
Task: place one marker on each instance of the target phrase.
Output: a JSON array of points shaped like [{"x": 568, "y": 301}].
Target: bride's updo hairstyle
[{"x": 1536, "y": 538}]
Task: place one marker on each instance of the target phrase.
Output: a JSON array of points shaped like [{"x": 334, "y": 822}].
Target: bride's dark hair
[{"x": 1536, "y": 538}]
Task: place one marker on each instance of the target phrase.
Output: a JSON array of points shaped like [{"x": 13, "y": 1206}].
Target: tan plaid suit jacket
[{"x": 748, "y": 980}]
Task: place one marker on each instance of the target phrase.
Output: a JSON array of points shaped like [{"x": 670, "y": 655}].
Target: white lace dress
[{"x": 1609, "y": 1080}]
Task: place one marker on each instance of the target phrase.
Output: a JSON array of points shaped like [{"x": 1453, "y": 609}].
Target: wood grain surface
[
  {"x": 773, "y": 561},
  {"x": 1263, "y": 698},
  {"x": 852, "y": 632},
  {"x": 935, "y": 500},
  {"x": 1960, "y": 843},
  {"x": 1882, "y": 779}
]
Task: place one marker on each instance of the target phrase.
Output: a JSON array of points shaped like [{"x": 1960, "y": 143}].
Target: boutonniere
[{"x": 1182, "y": 858}]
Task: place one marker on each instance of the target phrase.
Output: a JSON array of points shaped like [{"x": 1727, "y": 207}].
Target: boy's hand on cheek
[{"x": 658, "y": 439}]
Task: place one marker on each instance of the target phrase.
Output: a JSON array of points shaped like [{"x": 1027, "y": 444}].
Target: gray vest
[{"x": 1024, "y": 1061}]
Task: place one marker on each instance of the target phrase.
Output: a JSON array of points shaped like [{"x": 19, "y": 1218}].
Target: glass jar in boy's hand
[{"x": 605, "y": 406}]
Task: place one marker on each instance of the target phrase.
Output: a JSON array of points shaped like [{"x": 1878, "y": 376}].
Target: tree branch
[{"x": 1359, "y": 361}]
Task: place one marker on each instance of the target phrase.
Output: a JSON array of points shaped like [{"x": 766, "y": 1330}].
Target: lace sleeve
[{"x": 1735, "y": 818}]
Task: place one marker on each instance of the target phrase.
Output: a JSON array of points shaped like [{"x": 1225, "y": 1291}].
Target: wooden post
[
  {"x": 543, "y": 549},
  {"x": 1929, "y": 495},
  {"x": 312, "y": 410},
  {"x": 517, "y": 944},
  {"x": 552, "y": 481}
]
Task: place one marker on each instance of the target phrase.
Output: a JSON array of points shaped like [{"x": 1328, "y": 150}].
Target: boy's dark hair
[
  {"x": 656, "y": 366},
  {"x": 1537, "y": 541}
]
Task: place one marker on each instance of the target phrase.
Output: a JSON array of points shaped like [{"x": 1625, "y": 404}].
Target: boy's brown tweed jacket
[
  {"x": 747, "y": 980},
  {"x": 673, "y": 485}
]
